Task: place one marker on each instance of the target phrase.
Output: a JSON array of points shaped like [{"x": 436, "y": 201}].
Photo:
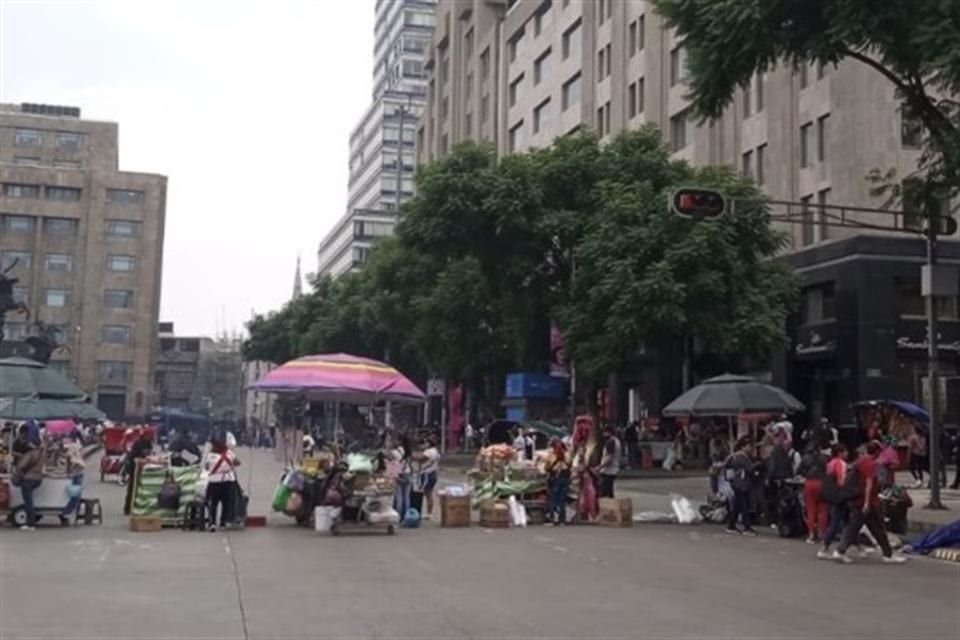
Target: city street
[{"x": 282, "y": 581}]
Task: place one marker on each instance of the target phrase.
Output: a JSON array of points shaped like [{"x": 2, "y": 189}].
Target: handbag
[{"x": 169, "y": 495}]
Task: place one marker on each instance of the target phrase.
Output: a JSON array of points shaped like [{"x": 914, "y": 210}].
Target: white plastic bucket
[{"x": 324, "y": 517}]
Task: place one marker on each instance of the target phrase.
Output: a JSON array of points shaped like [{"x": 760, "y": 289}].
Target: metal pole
[{"x": 933, "y": 364}]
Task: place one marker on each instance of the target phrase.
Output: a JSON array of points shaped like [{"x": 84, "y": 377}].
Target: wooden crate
[
  {"x": 454, "y": 511},
  {"x": 616, "y": 512},
  {"x": 494, "y": 514},
  {"x": 143, "y": 524}
]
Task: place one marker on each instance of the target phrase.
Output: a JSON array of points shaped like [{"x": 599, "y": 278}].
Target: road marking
[{"x": 561, "y": 549}]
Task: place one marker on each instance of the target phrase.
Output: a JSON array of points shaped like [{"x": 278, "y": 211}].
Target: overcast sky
[{"x": 245, "y": 106}]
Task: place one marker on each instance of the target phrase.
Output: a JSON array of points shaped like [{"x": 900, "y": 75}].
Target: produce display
[
  {"x": 501, "y": 489},
  {"x": 496, "y": 455}
]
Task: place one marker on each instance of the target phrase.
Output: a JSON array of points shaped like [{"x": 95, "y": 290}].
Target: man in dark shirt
[
  {"x": 865, "y": 509},
  {"x": 632, "y": 437}
]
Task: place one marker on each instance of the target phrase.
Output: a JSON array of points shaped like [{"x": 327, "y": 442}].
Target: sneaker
[
  {"x": 811, "y": 541},
  {"x": 732, "y": 530},
  {"x": 26, "y": 527},
  {"x": 749, "y": 532},
  {"x": 64, "y": 521},
  {"x": 212, "y": 528},
  {"x": 896, "y": 558},
  {"x": 866, "y": 552},
  {"x": 918, "y": 484},
  {"x": 823, "y": 554},
  {"x": 842, "y": 558}
]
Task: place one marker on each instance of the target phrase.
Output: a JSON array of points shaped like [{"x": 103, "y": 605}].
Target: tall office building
[
  {"x": 85, "y": 241},
  {"x": 519, "y": 73},
  {"x": 382, "y": 144}
]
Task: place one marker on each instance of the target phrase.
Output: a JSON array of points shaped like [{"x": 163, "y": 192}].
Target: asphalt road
[{"x": 652, "y": 581}]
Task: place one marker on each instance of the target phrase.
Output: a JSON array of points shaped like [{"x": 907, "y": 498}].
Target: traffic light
[{"x": 698, "y": 203}]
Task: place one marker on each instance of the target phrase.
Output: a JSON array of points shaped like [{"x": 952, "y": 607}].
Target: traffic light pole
[{"x": 933, "y": 358}]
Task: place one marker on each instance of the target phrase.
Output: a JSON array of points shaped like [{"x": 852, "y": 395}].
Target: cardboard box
[
  {"x": 616, "y": 512},
  {"x": 142, "y": 524},
  {"x": 495, "y": 514},
  {"x": 454, "y": 511}
]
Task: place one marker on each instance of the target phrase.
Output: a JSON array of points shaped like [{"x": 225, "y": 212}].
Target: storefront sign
[
  {"x": 912, "y": 344},
  {"x": 813, "y": 344}
]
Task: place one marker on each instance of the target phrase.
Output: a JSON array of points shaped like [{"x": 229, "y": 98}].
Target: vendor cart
[
  {"x": 365, "y": 501},
  {"x": 50, "y": 498}
]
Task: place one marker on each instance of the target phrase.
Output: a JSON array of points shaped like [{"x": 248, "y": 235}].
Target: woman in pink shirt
[{"x": 837, "y": 471}]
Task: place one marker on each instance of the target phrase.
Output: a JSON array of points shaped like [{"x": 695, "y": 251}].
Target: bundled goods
[
  {"x": 381, "y": 485},
  {"x": 497, "y": 489},
  {"x": 280, "y": 496},
  {"x": 380, "y": 512},
  {"x": 359, "y": 463},
  {"x": 616, "y": 512},
  {"x": 495, "y": 456},
  {"x": 454, "y": 510}
]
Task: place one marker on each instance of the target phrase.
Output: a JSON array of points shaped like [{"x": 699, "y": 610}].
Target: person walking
[
  {"x": 738, "y": 470},
  {"x": 836, "y": 474},
  {"x": 813, "y": 469},
  {"x": 29, "y": 461},
  {"x": 221, "y": 464},
  {"x": 865, "y": 510},
  {"x": 558, "y": 482},
  {"x": 917, "y": 443},
  {"x": 609, "y": 463}
]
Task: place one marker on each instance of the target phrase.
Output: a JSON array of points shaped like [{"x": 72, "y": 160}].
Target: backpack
[
  {"x": 833, "y": 493},
  {"x": 169, "y": 495}
]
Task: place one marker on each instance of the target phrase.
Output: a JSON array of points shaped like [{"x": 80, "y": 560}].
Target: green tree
[{"x": 915, "y": 45}]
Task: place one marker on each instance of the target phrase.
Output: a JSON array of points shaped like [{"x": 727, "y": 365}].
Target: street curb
[{"x": 950, "y": 555}]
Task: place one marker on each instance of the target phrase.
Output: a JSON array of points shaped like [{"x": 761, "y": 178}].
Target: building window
[
  {"x": 806, "y": 142},
  {"x": 822, "y": 135},
  {"x": 468, "y": 43},
  {"x": 641, "y": 98},
  {"x": 360, "y": 255},
  {"x": 747, "y": 98},
  {"x": 912, "y": 304},
  {"x": 484, "y": 108},
  {"x": 514, "y": 89},
  {"x": 570, "y": 94},
  {"x": 15, "y": 331},
  {"x": 747, "y": 164},
  {"x": 823, "y": 218},
  {"x": 113, "y": 372},
  {"x": 123, "y": 264},
  {"x": 118, "y": 298},
  {"x": 572, "y": 41},
  {"x": 600, "y": 63},
  {"x": 605, "y": 62},
  {"x": 819, "y": 304},
  {"x": 17, "y": 224},
  {"x": 468, "y": 124},
  {"x": 65, "y": 194},
  {"x": 911, "y": 128},
  {"x": 679, "y": 130},
  {"x": 26, "y": 161},
  {"x": 115, "y": 334},
  {"x": 821, "y": 70},
  {"x": 66, "y": 164},
  {"x": 10, "y": 258},
  {"x": 69, "y": 141},
  {"x": 485, "y": 63},
  {"x": 56, "y": 297},
  {"x": 632, "y": 100},
  {"x": 541, "y": 67},
  {"x": 760, "y": 88},
  {"x": 541, "y": 116},
  {"x": 21, "y": 190},
  {"x": 678, "y": 65},
  {"x": 542, "y": 18},
  {"x": 468, "y": 87},
  {"x": 413, "y": 69},
  {"x": 806, "y": 221},
  {"x": 804, "y": 75},
  {"x": 28, "y": 138},
  {"x": 63, "y": 227},
  {"x": 123, "y": 228},
  {"x": 445, "y": 107},
  {"x": 516, "y": 136},
  {"x": 632, "y": 38},
  {"x": 58, "y": 262},
  {"x": 513, "y": 46},
  {"x": 761, "y": 164}
]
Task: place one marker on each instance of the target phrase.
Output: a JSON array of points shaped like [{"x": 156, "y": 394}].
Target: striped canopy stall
[
  {"x": 341, "y": 377},
  {"x": 147, "y": 488}
]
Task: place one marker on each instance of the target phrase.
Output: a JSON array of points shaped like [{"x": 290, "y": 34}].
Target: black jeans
[
  {"x": 741, "y": 508},
  {"x": 874, "y": 521},
  {"x": 918, "y": 464},
  {"x": 838, "y": 516},
  {"x": 606, "y": 485},
  {"x": 27, "y": 487},
  {"x": 220, "y": 493}
]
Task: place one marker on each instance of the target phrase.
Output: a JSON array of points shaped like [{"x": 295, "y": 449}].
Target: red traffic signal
[{"x": 698, "y": 203}]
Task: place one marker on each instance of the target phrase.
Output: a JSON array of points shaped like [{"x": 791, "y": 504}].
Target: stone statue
[
  {"x": 7, "y": 302},
  {"x": 44, "y": 344}
]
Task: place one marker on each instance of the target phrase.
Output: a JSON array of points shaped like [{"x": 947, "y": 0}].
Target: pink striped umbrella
[{"x": 341, "y": 377}]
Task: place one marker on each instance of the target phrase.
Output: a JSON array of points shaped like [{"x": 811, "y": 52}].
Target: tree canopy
[
  {"x": 915, "y": 45},
  {"x": 491, "y": 251}
]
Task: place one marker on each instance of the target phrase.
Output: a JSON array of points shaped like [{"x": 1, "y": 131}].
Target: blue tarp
[
  {"x": 946, "y": 537},
  {"x": 912, "y": 410}
]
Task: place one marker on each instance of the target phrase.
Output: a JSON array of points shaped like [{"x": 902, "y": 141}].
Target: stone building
[{"x": 86, "y": 242}]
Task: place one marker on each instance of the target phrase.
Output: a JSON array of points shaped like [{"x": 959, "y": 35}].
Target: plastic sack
[
  {"x": 359, "y": 463},
  {"x": 518, "y": 515},
  {"x": 294, "y": 504},
  {"x": 455, "y": 491},
  {"x": 280, "y": 496},
  {"x": 654, "y": 516},
  {"x": 411, "y": 519},
  {"x": 386, "y": 516},
  {"x": 324, "y": 517},
  {"x": 294, "y": 480},
  {"x": 684, "y": 510},
  {"x": 74, "y": 490}
]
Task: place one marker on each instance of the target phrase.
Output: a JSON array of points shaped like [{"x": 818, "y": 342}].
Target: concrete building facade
[
  {"x": 382, "y": 144},
  {"x": 86, "y": 240},
  {"x": 520, "y": 73}
]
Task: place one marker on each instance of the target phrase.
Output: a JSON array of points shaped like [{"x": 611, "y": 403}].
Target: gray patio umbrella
[
  {"x": 731, "y": 395},
  {"x": 48, "y": 409},
  {"x": 22, "y": 378}
]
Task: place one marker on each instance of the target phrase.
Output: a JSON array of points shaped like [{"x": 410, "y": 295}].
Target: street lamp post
[{"x": 933, "y": 356}]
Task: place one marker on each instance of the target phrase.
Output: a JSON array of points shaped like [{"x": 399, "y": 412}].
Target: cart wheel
[
  {"x": 334, "y": 530},
  {"x": 391, "y": 530},
  {"x": 18, "y": 517}
]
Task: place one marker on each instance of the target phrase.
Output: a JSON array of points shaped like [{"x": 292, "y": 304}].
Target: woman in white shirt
[
  {"x": 429, "y": 470},
  {"x": 221, "y": 464}
]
